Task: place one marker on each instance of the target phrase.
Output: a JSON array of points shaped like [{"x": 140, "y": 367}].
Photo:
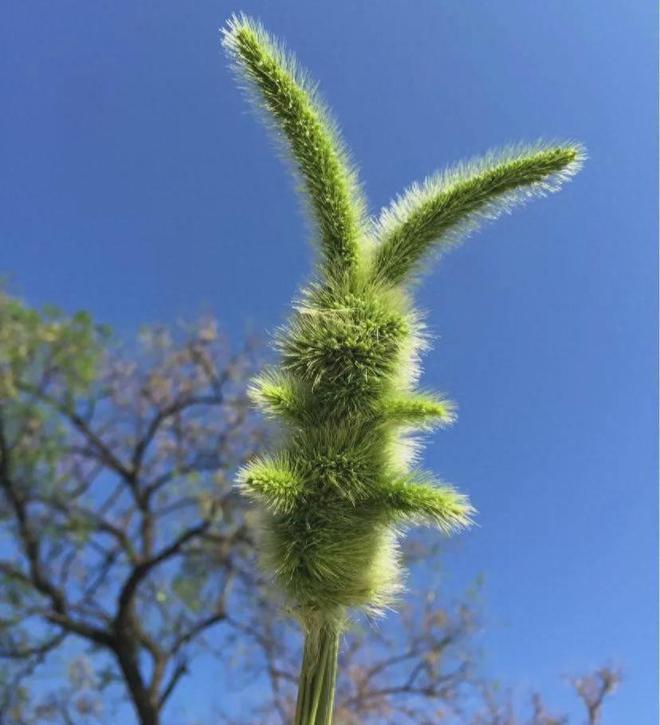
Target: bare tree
[
  {"x": 115, "y": 473},
  {"x": 497, "y": 707},
  {"x": 594, "y": 688}
]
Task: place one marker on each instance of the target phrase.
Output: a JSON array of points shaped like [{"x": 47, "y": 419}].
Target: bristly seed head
[{"x": 342, "y": 486}]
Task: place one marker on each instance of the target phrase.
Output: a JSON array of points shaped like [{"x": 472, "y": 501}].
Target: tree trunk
[{"x": 147, "y": 710}]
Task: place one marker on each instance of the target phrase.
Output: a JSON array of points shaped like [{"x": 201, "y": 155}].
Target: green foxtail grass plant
[{"x": 343, "y": 485}]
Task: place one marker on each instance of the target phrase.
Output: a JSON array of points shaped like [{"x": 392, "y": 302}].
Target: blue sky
[{"x": 135, "y": 184}]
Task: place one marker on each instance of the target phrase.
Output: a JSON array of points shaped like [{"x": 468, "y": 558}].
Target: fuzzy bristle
[
  {"x": 300, "y": 119},
  {"x": 441, "y": 211},
  {"x": 344, "y": 484}
]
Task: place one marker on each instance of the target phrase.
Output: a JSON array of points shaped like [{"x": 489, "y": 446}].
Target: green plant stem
[{"x": 316, "y": 685}]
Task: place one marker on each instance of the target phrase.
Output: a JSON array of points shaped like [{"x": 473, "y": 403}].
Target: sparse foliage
[
  {"x": 594, "y": 688},
  {"x": 115, "y": 473}
]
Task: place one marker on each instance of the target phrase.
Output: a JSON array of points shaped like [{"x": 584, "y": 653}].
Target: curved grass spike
[
  {"x": 336, "y": 496},
  {"x": 301, "y": 120}
]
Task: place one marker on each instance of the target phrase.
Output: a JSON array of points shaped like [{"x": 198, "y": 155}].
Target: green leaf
[{"x": 187, "y": 588}]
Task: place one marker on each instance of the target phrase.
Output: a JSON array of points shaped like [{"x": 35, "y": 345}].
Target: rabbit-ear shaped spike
[
  {"x": 278, "y": 86},
  {"x": 446, "y": 207}
]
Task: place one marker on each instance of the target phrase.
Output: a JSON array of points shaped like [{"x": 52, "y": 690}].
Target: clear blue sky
[{"x": 134, "y": 184}]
